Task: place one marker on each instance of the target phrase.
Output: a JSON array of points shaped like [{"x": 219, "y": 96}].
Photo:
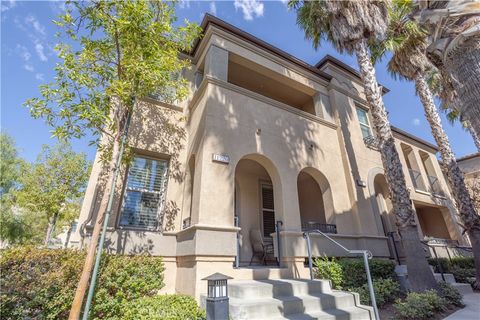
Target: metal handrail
[
  {"x": 365, "y": 253},
  {"x": 439, "y": 264}
]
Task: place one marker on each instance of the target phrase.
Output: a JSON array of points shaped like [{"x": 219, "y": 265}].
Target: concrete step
[
  {"x": 357, "y": 313},
  {"x": 293, "y": 299},
  {"x": 449, "y": 278},
  {"x": 463, "y": 288},
  {"x": 247, "y": 289}
]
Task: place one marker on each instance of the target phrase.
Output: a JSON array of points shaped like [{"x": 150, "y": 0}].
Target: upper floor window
[
  {"x": 364, "y": 123},
  {"x": 144, "y": 192}
]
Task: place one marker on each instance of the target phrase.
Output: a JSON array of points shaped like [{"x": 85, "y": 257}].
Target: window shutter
[{"x": 268, "y": 213}]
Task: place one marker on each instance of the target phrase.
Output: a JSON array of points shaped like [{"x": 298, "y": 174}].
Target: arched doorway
[
  {"x": 315, "y": 201},
  {"x": 257, "y": 199},
  {"x": 384, "y": 204}
]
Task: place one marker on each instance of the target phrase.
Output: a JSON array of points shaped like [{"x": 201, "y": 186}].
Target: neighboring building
[
  {"x": 64, "y": 238},
  {"x": 470, "y": 166},
  {"x": 267, "y": 138}
]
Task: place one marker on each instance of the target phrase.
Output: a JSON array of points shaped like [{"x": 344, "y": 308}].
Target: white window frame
[
  {"x": 161, "y": 202},
  {"x": 363, "y": 125}
]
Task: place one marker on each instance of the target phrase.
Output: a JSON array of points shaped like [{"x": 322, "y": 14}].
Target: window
[
  {"x": 144, "y": 193},
  {"x": 364, "y": 124}
]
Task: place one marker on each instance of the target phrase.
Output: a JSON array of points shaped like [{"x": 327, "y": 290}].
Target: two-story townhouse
[{"x": 265, "y": 147}]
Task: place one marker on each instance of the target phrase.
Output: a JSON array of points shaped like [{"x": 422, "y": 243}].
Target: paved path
[{"x": 471, "y": 310}]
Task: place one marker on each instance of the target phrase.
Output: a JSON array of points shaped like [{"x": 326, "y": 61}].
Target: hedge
[
  {"x": 462, "y": 268},
  {"x": 40, "y": 284}
]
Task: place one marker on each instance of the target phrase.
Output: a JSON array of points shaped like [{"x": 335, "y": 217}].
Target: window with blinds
[
  {"x": 364, "y": 123},
  {"x": 142, "y": 202},
  {"x": 268, "y": 210}
]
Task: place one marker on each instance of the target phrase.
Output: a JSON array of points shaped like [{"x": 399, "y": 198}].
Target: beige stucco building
[{"x": 263, "y": 140}]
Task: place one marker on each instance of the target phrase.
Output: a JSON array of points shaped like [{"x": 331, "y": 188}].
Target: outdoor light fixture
[{"x": 217, "y": 297}]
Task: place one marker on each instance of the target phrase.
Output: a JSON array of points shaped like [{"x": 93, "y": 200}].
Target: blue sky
[{"x": 28, "y": 59}]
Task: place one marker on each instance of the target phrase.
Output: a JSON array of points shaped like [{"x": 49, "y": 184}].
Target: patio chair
[{"x": 259, "y": 247}]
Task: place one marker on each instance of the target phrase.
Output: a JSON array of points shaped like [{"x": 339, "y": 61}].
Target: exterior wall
[
  {"x": 470, "y": 166},
  {"x": 198, "y": 234}
]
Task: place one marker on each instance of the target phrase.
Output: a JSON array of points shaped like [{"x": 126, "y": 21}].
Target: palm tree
[
  {"x": 442, "y": 89},
  {"x": 350, "y": 26},
  {"x": 454, "y": 48},
  {"x": 407, "y": 42}
]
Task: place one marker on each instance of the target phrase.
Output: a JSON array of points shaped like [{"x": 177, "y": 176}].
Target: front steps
[
  {"x": 463, "y": 288},
  {"x": 293, "y": 299}
]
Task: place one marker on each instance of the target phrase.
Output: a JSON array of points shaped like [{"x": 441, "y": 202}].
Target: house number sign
[{"x": 222, "y": 158}]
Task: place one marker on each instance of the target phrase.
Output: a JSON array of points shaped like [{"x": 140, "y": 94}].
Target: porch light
[{"x": 217, "y": 296}]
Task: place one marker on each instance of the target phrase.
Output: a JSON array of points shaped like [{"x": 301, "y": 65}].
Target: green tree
[
  {"x": 51, "y": 184},
  {"x": 12, "y": 226},
  {"x": 113, "y": 53},
  {"x": 351, "y": 26},
  {"x": 408, "y": 42}
]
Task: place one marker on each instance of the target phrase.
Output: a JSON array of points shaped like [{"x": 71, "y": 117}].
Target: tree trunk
[
  {"x": 419, "y": 272},
  {"x": 475, "y": 137},
  {"x": 463, "y": 64},
  {"x": 50, "y": 229},
  {"x": 89, "y": 260},
  {"x": 474, "y": 235},
  {"x": 465, "y": 205}
]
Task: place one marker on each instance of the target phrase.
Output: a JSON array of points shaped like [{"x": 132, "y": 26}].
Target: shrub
[
  {"x": 163, "y": 307},
  {"x": 355, "y": 269},
  {"x": 454, "y": 263},
  {"x": 329, "y": 269},
  {"x": 450, "y": 294},
  {"x": 463, "y": 275},
  {"x": 386, "y": 290},
  {"x": 40, "y": 283},
  {"x": 418, "y": 306}
]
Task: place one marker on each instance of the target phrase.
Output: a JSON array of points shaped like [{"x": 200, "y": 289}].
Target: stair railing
[{"x": 365, "y": 253}]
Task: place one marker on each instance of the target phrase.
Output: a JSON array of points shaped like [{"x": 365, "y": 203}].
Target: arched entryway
[
  {"x": 257, "y": 204},
  {"x": 315, "y": 201},
  {"x": 384, "y": 204}
]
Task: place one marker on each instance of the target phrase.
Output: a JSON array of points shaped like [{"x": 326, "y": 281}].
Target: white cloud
[
  {"x": 40, "y": 53},
  {"x": 37, "y": 26},
  {"x": 39, "y": 76},
  {"x": 28, "y": 67},
  {"x": 7, "y": 5},
  {"x": 24, "y": 53},
  {"x": 213, "y": 8},
  {"x": 184, "y": 4},
  {"x": 250, "y": 8},
  {"x": 416, "y": 122},
  {"x": 58, "y": 7}
]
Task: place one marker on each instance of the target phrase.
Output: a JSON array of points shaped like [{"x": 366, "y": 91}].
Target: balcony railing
[
  {"x": 435, "y": 185},
  {"x": 314, "y": 225},
  {"x": 416, "y": 179}
]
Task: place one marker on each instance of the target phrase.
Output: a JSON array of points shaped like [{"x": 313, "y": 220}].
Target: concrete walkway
[{"x": 471, "y": 310}]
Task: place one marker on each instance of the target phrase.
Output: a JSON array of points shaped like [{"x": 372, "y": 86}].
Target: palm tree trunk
[
  {"x": 50, "y": 229},
  {"x": 419, "y": 272},
  {"x": 463, "y": 64},
  {"x": 465, "y": 205},
  {"x": 475, "y": 137},
  {"x": 92, "y": 249}
]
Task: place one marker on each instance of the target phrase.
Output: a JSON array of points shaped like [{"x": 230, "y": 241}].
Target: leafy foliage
[
  {"x": 450, "y": 294},
  {"x": 419, "y": 306},
  {"x": 355, "y": 269},
  {"x": 40, "y": 283},
  {"x": 386, "y": 290},
  {"x": 330, "y": 269},
  {"x": 454, "y": 263},
  {"x": 163, "y": 307},
  {"x": 11, "y": 164}
]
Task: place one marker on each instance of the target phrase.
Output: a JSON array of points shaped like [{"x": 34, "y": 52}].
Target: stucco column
[
  {"x": 323, "y": 107},
  {"x": 216, "y": 63}
]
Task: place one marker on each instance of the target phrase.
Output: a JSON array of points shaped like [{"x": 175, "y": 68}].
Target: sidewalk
[{"x": 471, "y": 310}]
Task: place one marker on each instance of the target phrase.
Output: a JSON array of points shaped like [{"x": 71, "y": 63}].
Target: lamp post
[{"x": 217, "y": 297}]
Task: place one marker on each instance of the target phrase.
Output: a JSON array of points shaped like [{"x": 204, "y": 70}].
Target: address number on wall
[{"x": 222, "y": 158}]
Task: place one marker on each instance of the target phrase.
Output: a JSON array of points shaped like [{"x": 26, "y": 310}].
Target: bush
[
  {"x": 463, "y": 275},
  {"x": 455, "y": 263},
  {"x": 418, "y": 306},
  {"x": 386, "y": 290},
  {"x": 450, "y": 294},
  {"x": 40, "y": 283},
  {"x": 329, "y": 269},
  {"x": 163, "y": 307},
  {"x": 355, "y": 269}
]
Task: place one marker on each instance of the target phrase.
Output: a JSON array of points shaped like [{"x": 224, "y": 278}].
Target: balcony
[{"x": 313, "y": 225}]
